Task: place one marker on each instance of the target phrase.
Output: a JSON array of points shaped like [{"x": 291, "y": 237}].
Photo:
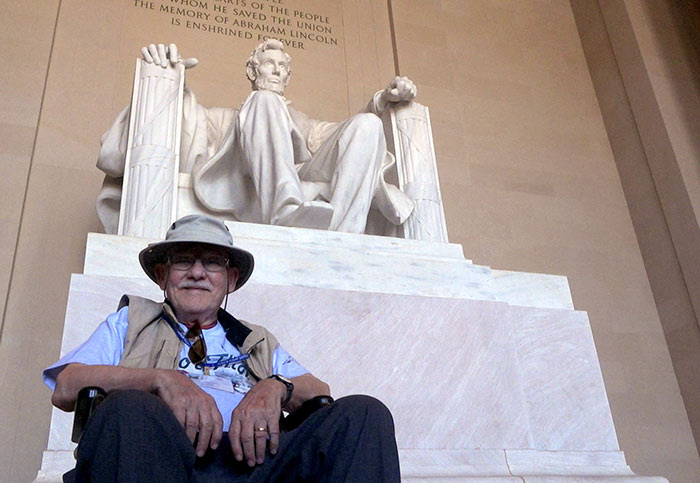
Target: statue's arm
[
  {"x": 113, "y": 146},
  {"x": 400, "y": 89}
]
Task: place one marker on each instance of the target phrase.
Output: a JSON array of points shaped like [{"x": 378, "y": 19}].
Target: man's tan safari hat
[{"x": 198, "y": 229}]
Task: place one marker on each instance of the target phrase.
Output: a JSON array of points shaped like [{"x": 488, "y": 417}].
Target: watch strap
[{"x": 289, "y": 384}]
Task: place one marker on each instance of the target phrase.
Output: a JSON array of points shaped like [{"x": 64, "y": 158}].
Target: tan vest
[{"x": 151, "y": 339}]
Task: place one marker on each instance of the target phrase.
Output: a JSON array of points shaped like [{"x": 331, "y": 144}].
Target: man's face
[
  {"x": 272, "y": 73},
  {"x": 196, "y": 292}
]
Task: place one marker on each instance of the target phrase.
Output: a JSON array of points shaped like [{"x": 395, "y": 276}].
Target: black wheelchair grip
[{"x": 86, "y": 403}]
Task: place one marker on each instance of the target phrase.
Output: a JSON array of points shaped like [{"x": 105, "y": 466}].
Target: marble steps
[
  {"x": 345, "y": 261},
  {"x": 459, "y": 375},
  {"x": 491, "y": 375},
  {"x": 518, "y": 466},
  {"x": 308, "y": 238}
]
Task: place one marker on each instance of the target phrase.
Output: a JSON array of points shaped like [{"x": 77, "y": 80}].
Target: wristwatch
[{"x": 286, "y": 382}]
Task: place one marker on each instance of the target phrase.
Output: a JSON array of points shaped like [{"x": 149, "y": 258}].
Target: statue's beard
[{"x": 268, "y": 85}]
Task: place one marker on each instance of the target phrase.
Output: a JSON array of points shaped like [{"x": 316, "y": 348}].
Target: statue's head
[{"x": 269, "y": 67}]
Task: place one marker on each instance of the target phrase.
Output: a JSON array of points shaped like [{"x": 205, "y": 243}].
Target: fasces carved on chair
[
  {"x": 411, "y": 141},
  {"x": 152, "y": 163},
  {"x": 266, "y": 162}
]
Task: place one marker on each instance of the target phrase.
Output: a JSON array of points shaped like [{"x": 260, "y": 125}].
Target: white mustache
[{"x": 202, "y": 284}]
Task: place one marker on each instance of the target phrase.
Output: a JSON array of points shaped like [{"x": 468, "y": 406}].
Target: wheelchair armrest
[
  {"x": 294, "y": 420},
  {"x": 85, "y": 404}
]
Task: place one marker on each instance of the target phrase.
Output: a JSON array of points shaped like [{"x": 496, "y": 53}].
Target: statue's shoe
[{"x": 309, "y": 214}]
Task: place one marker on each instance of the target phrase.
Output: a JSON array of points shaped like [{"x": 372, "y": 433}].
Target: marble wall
[
  {"x": 650, "y": 97},
  {"x": 529, "y": 180},
  {"x": 22, "y": 82},
  {"x": 22, "y": 87}
]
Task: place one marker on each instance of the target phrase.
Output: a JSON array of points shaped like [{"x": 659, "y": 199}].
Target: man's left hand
[{"x": 254, "y": 419}]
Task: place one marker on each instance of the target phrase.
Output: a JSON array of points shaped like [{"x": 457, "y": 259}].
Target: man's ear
[
  {"x": 232, "y": 278},
  {"x": 161, "y": 272}
]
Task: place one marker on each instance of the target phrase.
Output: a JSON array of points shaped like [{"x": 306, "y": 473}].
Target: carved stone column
[
  {"x": 149, "y": 195},
  {"x": 411, "y": 141}
]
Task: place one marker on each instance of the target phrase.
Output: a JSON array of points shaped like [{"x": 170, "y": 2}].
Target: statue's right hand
[{"x": 160, "y": 54}]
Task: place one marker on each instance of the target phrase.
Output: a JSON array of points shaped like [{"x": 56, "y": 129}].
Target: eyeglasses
[
  {"x": 211, "y": 263},
  {"x": 198, "y": 348}
]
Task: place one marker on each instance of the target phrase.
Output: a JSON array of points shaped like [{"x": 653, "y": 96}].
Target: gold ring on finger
[{"x": 261, "y": 429}]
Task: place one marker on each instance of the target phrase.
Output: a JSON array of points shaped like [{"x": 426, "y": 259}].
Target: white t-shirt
[{"x": 223, "y": 375}]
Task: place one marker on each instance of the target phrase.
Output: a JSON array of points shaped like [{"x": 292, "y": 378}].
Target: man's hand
[
  {"x": 260, "y": 408},
  {"x": 399, "y": 89},
  {"x": 161, "y": 55},
  {"x": 193, "y": 408}
]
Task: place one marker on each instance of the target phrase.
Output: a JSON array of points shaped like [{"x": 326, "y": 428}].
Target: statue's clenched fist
[{"x": 400, "y": 89}]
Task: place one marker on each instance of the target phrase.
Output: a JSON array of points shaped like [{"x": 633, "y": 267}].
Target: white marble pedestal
[{"x": 490, "y": 376}]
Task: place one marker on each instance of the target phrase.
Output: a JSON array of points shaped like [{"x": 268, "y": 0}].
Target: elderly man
[
  {"x": 270, "y": 163},
  {"x": 196, "y": 395}
]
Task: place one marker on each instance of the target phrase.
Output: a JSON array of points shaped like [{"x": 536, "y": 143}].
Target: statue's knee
[{"x": 367, "y": 123}]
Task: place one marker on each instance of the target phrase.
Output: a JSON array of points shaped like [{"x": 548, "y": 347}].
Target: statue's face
[{"x": 272, "y": 73}]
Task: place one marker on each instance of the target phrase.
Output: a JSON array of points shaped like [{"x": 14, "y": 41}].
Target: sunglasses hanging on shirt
[{"x": 198, "y": 348}]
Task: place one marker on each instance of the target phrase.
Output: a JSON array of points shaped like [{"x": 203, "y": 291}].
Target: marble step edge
[
  {"x": 517, "y": 465},
  {"x": 557, "y": 300},
  {"x": 306, "y": 236},
  {"x": 494, "y": 278},
  {"x": 415, "y": 252},
  {"x": 466, "y": 465},
  {"x": 442, "y": 277},
  {"x": 108, "y": 254},
  {"x": 289, "y": 236},
  {"x": 113, "y": 255},
  {"x": 367, "y": 251}
]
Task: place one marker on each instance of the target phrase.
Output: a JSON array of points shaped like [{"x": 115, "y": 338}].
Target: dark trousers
[{"x": 133, "y": 436}]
